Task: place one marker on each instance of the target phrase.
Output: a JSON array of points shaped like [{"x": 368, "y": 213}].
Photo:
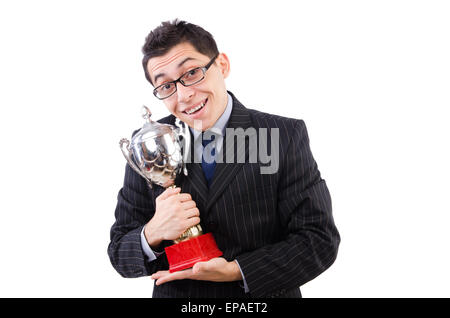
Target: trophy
[{"x": 155, "y": 153}]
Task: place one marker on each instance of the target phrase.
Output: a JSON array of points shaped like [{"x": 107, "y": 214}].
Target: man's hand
[
  {"x": 215, "y": 270},
  {"x": 175, "y": 212}
]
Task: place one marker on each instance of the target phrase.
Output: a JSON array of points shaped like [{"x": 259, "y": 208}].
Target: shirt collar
[{"x": 221, "y": 123}]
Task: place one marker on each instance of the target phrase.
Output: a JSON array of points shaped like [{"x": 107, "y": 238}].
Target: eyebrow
[{"x": 178, "y": 66}]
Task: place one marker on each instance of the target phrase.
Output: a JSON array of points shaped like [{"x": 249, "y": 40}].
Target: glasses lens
[
  {"x": 193, "y": 76},
  {"x": 165, "y": 90}
]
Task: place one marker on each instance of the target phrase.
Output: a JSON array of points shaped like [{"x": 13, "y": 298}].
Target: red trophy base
[{"x": 197, "y": 249}]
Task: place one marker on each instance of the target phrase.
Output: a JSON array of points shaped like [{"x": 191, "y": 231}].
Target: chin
[{"x": 189, "y": 121}]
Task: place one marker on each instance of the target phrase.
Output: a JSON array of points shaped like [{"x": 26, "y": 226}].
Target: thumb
[
  {"x": 199, "y": 267},
  {"x": 168, "y": 192}
]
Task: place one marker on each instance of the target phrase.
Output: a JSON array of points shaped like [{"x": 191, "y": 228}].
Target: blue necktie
[{"x": 208, "y": 168}]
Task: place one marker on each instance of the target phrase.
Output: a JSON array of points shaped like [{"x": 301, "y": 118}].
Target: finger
[
  {"x": 168, "y": 192},
  {"x": 174, "y": 276},
  {"x": 192, "y": 212},
  {"x": 184, "y": 197},
  {"x": 199, "y": 267},
  {"x": 192, "y": 221},
  {"x": 214, "y": 264},
  {"x": 188, "y": 205},
  {"x": 159, "y": 274}
]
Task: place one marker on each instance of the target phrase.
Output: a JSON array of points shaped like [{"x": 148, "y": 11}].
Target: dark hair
[{"x": 169, "y": 34}]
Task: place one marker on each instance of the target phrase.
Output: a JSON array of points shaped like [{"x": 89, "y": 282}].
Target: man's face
[{"x": 210, "y": 94}]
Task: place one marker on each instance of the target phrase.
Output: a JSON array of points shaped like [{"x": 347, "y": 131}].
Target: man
[{"x": 275, "y": 229}]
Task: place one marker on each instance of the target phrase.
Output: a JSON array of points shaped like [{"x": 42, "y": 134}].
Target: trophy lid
[{"x": 151, "y": 129}]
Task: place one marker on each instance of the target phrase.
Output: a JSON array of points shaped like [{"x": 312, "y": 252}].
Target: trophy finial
[{"x": 146, "y": 113}]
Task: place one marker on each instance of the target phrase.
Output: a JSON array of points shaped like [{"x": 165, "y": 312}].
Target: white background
[{"x": 371, "y": 79}]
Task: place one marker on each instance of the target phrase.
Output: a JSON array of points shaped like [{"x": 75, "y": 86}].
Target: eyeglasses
[{"x": 189, "y": 78}]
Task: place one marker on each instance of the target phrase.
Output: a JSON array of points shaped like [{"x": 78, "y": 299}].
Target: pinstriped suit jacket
[{"x": 279, "y": 227}]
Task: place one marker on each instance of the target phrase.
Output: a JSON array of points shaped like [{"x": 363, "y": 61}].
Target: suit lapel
[
  {"x": 225, "y": 172},
  {"x": 195, "y": 182}
]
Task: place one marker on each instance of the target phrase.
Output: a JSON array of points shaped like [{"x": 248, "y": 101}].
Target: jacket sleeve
[
  {"x": 310, "y": 238},
  {"x": 135, "y": 207}
]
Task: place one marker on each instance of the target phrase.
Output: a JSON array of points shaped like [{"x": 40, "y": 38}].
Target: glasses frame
[{"x": 179, "y": 80}]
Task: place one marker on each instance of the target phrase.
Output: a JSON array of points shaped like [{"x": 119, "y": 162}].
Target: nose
[{"x": 184, "y": 93}]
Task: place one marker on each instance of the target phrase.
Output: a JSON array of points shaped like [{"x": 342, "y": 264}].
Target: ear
[{"x": 224, "y": 64}]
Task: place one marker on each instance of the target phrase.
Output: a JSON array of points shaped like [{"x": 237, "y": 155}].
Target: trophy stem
[{"x": 191, "y": 232}]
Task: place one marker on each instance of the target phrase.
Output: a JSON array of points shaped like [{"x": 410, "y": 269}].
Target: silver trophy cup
[{"x": 155, "y": 153}]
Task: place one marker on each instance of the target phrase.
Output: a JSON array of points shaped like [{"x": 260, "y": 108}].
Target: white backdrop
[{"x": 371, "y": 79}]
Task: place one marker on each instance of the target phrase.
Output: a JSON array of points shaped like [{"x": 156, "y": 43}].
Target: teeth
[{"x": 193, "y": 110}]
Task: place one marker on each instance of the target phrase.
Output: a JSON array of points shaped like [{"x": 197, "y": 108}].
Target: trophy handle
[
  {"x": 183, "y": 130},
  {"x": 125, "y": 147}
]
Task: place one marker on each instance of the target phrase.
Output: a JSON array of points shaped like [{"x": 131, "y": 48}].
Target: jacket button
[{"x": 212, "y": 226}]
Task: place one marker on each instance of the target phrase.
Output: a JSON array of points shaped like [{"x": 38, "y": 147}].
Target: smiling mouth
[{"x": 195, "y": 109}]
